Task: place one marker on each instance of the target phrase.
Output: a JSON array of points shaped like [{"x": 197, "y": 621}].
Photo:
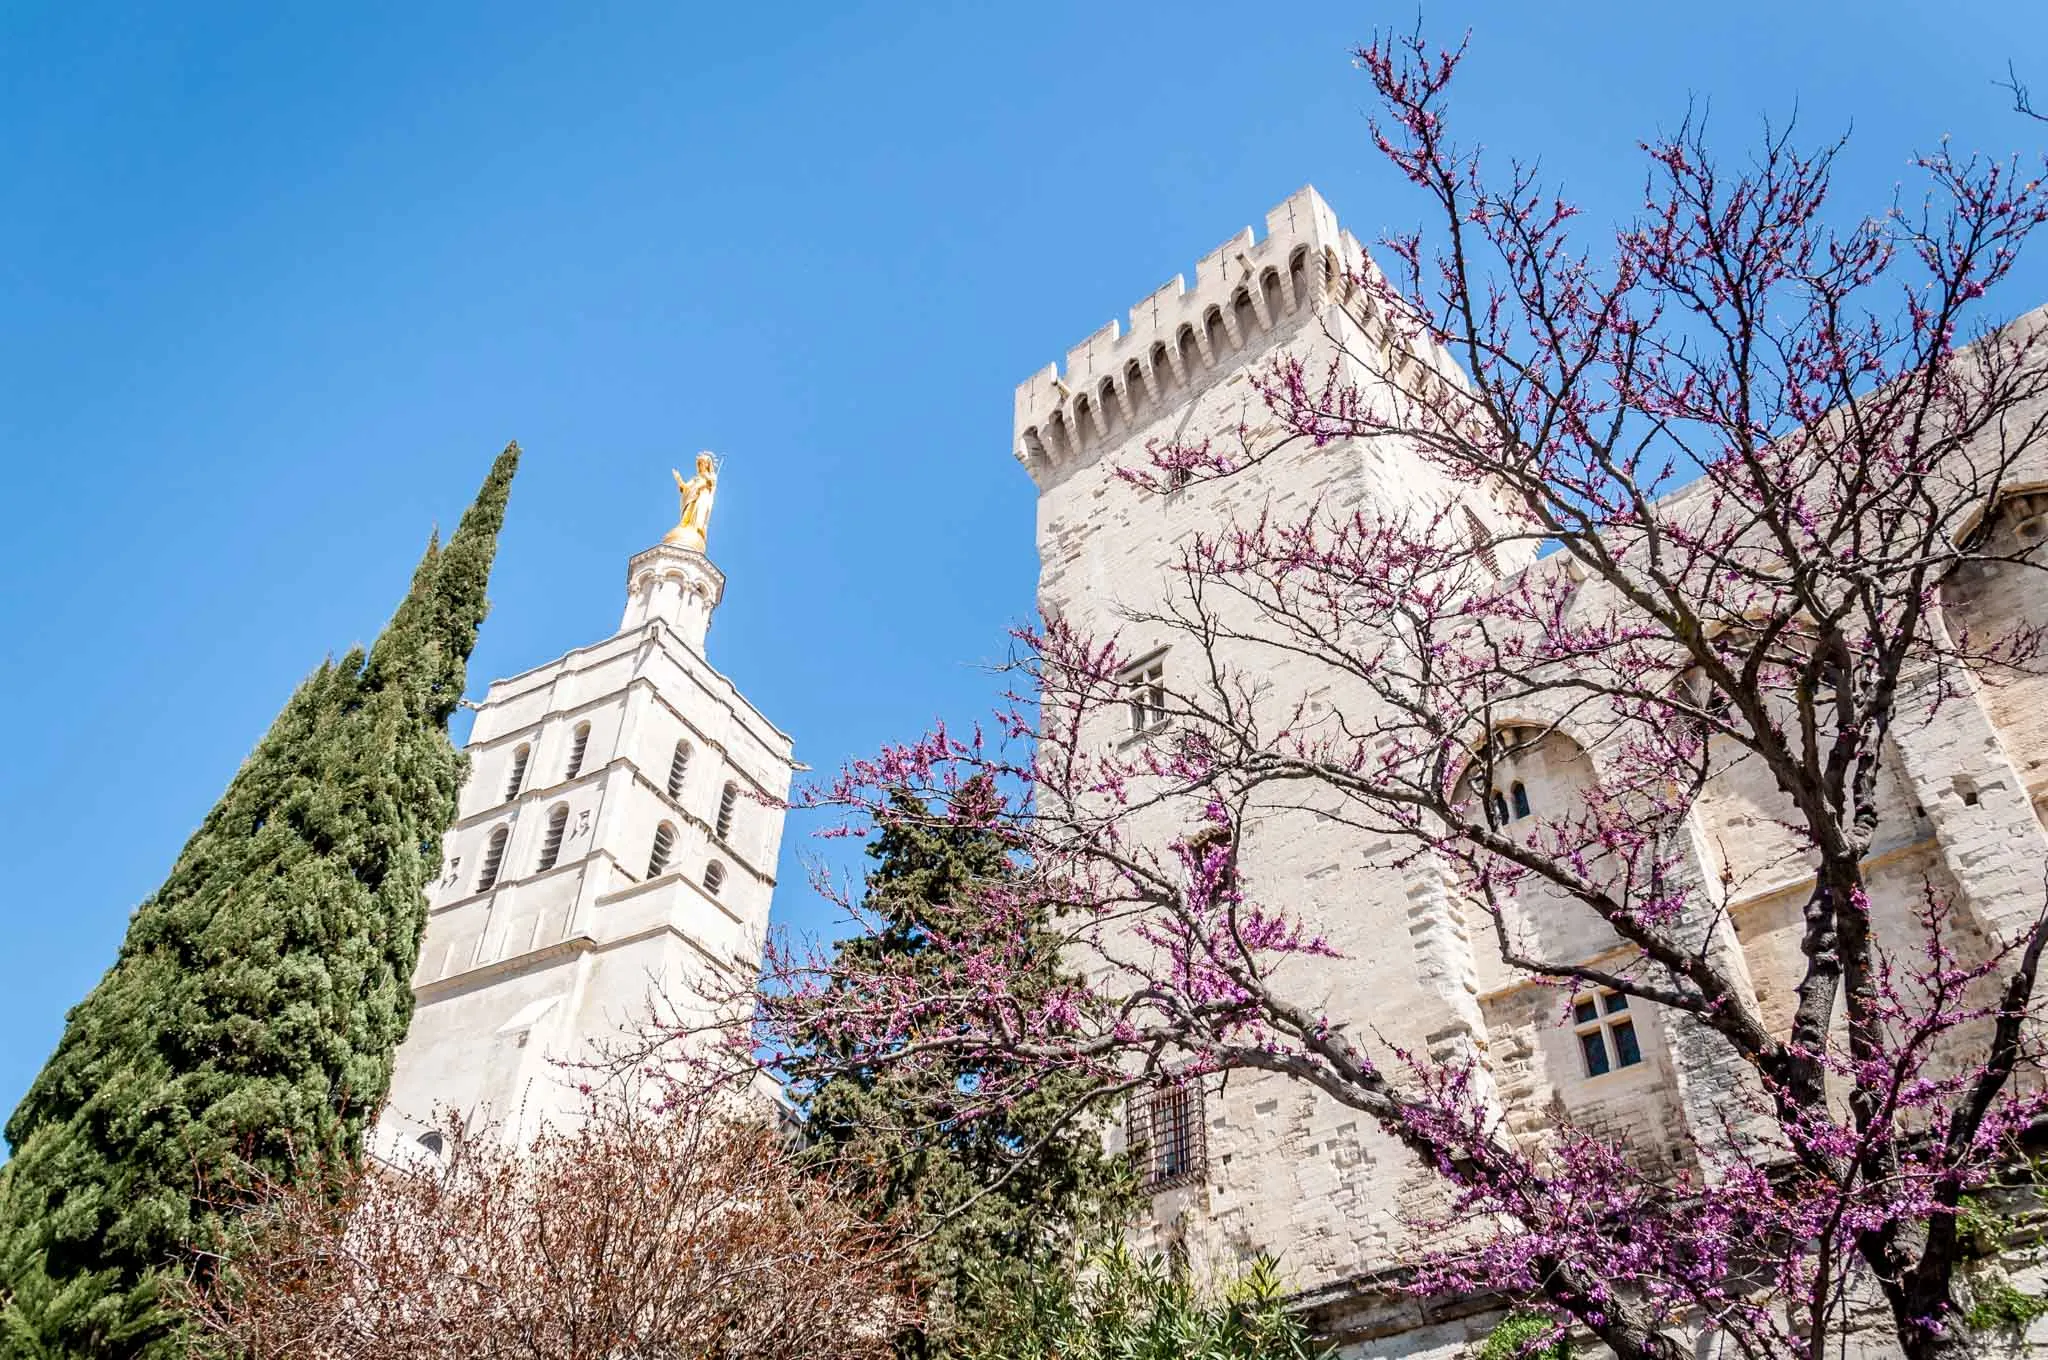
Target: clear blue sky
[{"x": 280, "y": 279}]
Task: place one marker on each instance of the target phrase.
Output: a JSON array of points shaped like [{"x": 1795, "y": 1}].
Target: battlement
[{"x": 1179, "y": 336}]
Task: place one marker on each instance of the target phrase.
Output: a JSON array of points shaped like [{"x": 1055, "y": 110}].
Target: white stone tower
[{"x": 617, "y": 838}]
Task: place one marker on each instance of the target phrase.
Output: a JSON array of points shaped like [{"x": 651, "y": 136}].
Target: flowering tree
[
  {"x": 684, "y": 1235},
  {"x": 1841, "y": 427}
]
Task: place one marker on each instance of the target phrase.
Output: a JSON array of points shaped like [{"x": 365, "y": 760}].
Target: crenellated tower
[{"x": 616, "y": 843}]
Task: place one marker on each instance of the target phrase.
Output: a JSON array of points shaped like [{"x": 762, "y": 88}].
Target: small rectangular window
[
  {"x": 1606, "y": 1033},
  {"x": 1144, "y": 688}
]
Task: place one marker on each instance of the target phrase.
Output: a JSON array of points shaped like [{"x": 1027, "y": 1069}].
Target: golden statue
[{"x": 695, "y": 521}]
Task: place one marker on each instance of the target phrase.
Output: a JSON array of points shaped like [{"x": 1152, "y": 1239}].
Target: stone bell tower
[{"x": 616, "y": 841}]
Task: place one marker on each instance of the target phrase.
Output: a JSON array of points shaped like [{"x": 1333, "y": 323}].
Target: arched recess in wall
[
  {"x": 1998, "y": 597},
  {"x": 1105, "y": 405},
  {"x": 1162, "y": 372},
  {"x": 1245, "y": 315},
  {"x": 1269, "y": 292},
  {"x": 1190, "y": 352},
  {"x": 1531, "y": 782},
  {"x": 1215, "y": 334},
  {"x": 1134, "y": 386},
  {"x": 1297, "y": 275}
]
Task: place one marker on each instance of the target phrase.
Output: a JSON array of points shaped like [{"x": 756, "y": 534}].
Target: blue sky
[{"x": 278, "y": 281}]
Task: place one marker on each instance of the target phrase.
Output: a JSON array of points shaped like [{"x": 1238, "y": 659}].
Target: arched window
[
  {"x": 494, "y": 859},
  {"x": 664, "y": 841},
  {"x": 1162, "y": 371},
  {"x": 728, "y": 802},
  {"x": 1297, "y": 275},
  {"x": 714, "y": 877},
  {"x": 1520, "y": 794},
  {"x": 1269, "y": 289},
  {"x": 1190, "y": 353},
  {"x": 1106, "y": 403},
  {"x": 518, "y": 779},
  {"x": 1217, "y": 336},
  {"x": 551, "y": 848},
  {"x": 578, "y": 744},
  {"x": 678, "y": 766},
  {"x": 1083, "y": 418},
  {"x": 1500, "y": 809},
  {"x": 1134, "y": 385}
]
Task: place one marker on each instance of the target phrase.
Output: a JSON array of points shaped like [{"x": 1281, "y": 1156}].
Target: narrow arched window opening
[
  {"x": 1190, "y": 352},
  {"x": 1106, "y": 405},
  {"x": 518, "y": 778},
  {"x": 728, "y": 804},
  {"x": 578, "y": 744},
  {"x": 1083, "y": 419},
  {"x": 678, "y": 766},
  {"x": 494, "y": 859},
  {"x": 1520, "y": 795},
  {"x": 664, "y": 842},
  {"x": 714, "y": 877},
  {"x": 1134, "y": 385},
  {"x": 551, "y": 846},
  {"x": 1500, "y": 810},
  {"x": 1217, "y": 336}
]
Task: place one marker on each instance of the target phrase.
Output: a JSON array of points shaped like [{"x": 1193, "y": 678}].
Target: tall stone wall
[{"x": 1289, "y": 1170}]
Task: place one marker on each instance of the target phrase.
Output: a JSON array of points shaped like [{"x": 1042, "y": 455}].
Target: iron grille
[{"x": 1165, "y": 1126}]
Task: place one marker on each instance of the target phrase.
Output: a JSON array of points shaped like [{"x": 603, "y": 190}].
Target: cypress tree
[
  {"x": 994, "y": 1205},
  {"x": 247, "y": 1026}
]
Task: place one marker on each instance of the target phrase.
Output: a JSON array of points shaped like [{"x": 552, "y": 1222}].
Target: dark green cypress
[
  {"x": 986, "y": 1223},
  {"x": 247, "y": 1027}
]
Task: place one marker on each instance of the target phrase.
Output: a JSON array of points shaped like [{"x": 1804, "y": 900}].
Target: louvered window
[
  {"x": 728, "y": 801},
  {"x": 678, "y": 766},
  {"x": 494, "y": 859},
  {"x": 577, "y": 746},
  {"x": 551, "y": 848},
  {"x": 1165, "y": 1128},
  {"x": 664, "y": 841},
  {"x": 518, "y": 779},
  {"x": 714, "y": 877}
]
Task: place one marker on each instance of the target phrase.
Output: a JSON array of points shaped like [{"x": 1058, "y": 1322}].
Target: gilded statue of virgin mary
[{"x": 694, "y": 523}]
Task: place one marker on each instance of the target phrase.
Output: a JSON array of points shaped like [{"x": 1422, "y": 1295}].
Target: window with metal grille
[
  {"x": 728, "y": 802},
  {"x": 577, "y": 745},
  {"x": 664, "y": 841},
  {"x": 1165, "y": 1128},
  {"x": 551, "y": 848},
  {"x": 494, "y": 859},
  {"x": 1606, "y": 1032},
  {"x": 678, "y": 766},
  {"x": 1145, "y": 692},
  {"x": 714, "y": 877},
  {"x": 518, "y": 779}
]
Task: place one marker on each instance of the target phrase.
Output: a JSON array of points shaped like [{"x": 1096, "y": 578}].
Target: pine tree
[
  {"x": 990, "y": 1204},
  {"x": 247, "y": 1027}
]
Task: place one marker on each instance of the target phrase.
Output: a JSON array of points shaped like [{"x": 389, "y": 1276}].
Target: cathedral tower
[{"x": 617, "y": 838}]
